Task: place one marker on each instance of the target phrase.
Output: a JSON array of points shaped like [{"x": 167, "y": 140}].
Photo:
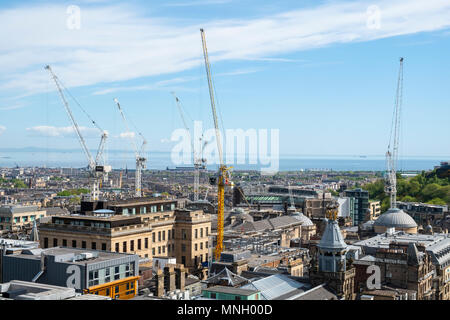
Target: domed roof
[
  {"x": 395, "y": 218},
  {"x": 332, "y": 237},
  {"x": 306, "y": 222}
]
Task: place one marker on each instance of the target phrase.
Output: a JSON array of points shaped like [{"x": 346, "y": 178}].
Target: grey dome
[
  {"x": 395, "y": 218},
  {"x": 332, "y": 237},
  {"x": 306, "y": 222}
]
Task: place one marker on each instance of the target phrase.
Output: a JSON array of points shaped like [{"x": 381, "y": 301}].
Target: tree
[
  {"x": 437, "y": 201},
  {"x": 409, "y": 199}
]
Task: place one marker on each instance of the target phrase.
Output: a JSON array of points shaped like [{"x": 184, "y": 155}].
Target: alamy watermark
[
  {"x": 373, "y": 21},
  {"x": 251, "y": 146},
  {"x": 374, "y": 280},
  {"x": 73, "y": 21}
]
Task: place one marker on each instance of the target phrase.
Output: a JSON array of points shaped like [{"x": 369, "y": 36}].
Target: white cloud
[
  {"x": 2, "y": 129},
  {"x": 50, "y": 131},
  {"x": 127, "y": 135},
  {"x": 12, "y": 107},
  {"x": 196, "y": 3},
  {"x": 116, "y": 43}
]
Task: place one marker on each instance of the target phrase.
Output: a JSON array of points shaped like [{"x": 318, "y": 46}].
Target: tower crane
[
  {"x": 199, "y": 161},
  {"x": 223, "y": 178},
  {"x": 291, "y": 198},
  {"x": 141, "y": 161},
  {"x": 392, "y": 153},
  {"x": 96, "y": 170}
]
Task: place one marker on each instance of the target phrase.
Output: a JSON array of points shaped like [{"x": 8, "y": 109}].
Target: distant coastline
[{"x": 160, "y": 160}]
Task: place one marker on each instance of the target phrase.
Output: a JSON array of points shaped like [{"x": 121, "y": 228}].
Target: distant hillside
[{"x": 431, "y": 187}]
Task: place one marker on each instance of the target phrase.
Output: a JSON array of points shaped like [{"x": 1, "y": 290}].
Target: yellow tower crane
[{"x": 224, "y": 173}]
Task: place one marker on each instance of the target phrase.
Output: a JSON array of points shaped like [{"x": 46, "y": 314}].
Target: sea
[{"x": 163, "y": 160}]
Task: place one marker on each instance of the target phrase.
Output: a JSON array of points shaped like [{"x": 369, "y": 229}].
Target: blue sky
[{"x": 313, "y": 70}]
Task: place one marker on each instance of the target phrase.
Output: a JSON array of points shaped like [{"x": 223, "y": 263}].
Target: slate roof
[
  {"x": 332, "y": 237},
  {"x": 321, "y": 292}
]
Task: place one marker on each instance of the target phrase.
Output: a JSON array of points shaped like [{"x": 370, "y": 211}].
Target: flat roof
[
  {"x": 69, "y": 253},
  {"x": 231, "y": 290}
]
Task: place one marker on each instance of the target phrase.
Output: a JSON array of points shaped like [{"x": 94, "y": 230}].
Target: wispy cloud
[
  {"x": 196, "y": 3},
  {"x": 116, "y": 43},
  {"x": 12, "y": 107},
  {"x": 50, "y": 131},
  {"x": 127, "y": 135}
]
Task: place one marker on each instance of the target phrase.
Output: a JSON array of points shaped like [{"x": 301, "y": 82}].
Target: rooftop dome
[
  {"x": 306, "y": 222},
  {"x": 395, "y": 218}
]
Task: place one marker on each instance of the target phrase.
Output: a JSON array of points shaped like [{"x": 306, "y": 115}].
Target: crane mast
[
  {"x": 95, "y": 170},
  {"x": 199, "y": 162},
  {"x": 392, "y": 153},
  {"x": 141, "y": 161},
  {"x": 291, "y": 198},
  {"x": 224, "y": 173}
]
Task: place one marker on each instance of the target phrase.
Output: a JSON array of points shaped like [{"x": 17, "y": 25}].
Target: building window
[
  {"x": 153, "y": 237},
  {"x": 164, "y": 235},
  {"x": 139, "y": 244},
  {"x": 132, "y": 245},
  {"x": 201, "y": 232},
  {"x": 183, "y": 234},
  {"x": 64, "y": 243},
  {"x": 183, "y": 260},
  {"x": 74, "y": 243},
  {"x": 146, "y": 243},
  {"x": 103, "y": 246},
  {"x": 206, "y": 244},
  {"x": 201, "y": 245},
  {"x": 168, "y": 248},
  {"x": 163, "y": 249},
  {"x": 196, "y": 247},
  {"x": 159, "y": 250},
  {"x": 153, "y": 251},
  {"x": 83, "y": 244},
  {"x": 117, "y": 247},
  {"x": 55, "y": 242},
  {"x": 206, "y": 231},
  {"x": 94, "y": 245},
  {"x": 159, "y": 236},
  {"x": 213, "y": 295},
  {"x": 45, "y": 242},
  {"x": 168, "y": 234},
  {"x": 196, "y": 233},
  {"x": 183, "y": 247},
  {"x": 124, "y": 246}
]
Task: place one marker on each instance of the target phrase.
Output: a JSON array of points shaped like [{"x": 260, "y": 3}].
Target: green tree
[{"x": 437, "y": 201}]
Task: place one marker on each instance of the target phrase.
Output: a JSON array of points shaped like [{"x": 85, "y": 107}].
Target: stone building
[
  {"x": 183, "y": 234},
  {"x": 13, "y": 217},
  {"x": 400, "y": 267},
  {"x": 430, "y": 282},
  {"x": 332, "y": 267}
]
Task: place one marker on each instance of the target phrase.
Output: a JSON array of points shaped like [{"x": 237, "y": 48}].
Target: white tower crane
[
  {"x": 392, "y": 153},
  {"x": 96, "y": 171},
  {"x": 291, "y": 198},
  {"x": 199, "y": 161},
  {"x": 141, "y": 161}
]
